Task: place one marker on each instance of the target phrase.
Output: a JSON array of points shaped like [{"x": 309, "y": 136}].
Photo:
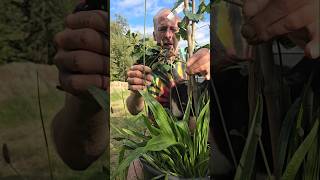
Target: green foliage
[
  {"x": 126, "y": 47},
  {"x": 247, "y": 161},
  {"x": 195, "y": 17},
  {"x": 101, "y": 97},
  {"x": 169, "y": 145},
  {"x": 27, "y": 29},
  {"x": 285, "y": 132},
  {"x": 299, "y": 156}
]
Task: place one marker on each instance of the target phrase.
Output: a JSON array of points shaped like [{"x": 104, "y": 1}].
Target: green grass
[
  {"x": 120, "y": 118},
  {"x": 20, "y": 125}
]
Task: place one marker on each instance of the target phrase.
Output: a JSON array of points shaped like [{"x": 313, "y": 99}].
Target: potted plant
[{"x": 169, "y": 147}]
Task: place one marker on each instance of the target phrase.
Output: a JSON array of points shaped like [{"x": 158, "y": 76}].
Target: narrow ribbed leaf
[
  {"x": 312, "y": 161},
  {"x": 285, "y": 132},
  {"x": 299, "y": 155},
  {"x": 101, "y": 97},
  {"x": 135, "y": 134},
  {"x": 157, "y": 143},
  {"x": 154, "y": 131},
  {"x": 160, "y": 142},
  {"x": 158, "y": 112},
  {"x": 247, "y": 160},
  {"x": 126, "y": 162}
]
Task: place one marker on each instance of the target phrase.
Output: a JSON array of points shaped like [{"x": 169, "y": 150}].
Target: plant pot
[{"x": 150, "y": 172}]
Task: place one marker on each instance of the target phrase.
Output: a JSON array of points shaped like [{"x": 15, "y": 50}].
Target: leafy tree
[
  {"x": 123, "y": 45},
  {"x": 27, "y": 28}
]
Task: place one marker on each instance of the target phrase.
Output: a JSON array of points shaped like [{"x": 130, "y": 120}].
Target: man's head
[{"x": 165, "y": 29}]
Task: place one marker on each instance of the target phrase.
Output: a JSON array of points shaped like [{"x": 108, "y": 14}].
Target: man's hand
[
  {"x": 82, "y": 52},
  {"x": 270, "y": 18},
  {"x": 138, "y": 77},
  {"x": 199, "y": 63}
]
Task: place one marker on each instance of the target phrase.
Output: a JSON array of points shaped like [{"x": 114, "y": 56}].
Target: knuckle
[
  {"x": 73, "y": 84},
  {"x": 91, "y": 20},
  {"x": 85, "y": 37},
  {"x": 75, "y": 62},
  {"x": 87, "y": 22},
  {"x": 58, "y": 39},
  {"x": 134, "y": 81},
  {"x": 138, "y": 73},
  {"x": 291, "y": 23}
]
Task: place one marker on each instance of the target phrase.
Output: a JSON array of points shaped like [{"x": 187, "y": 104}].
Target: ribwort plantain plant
[{"x": 169, "y": 145}]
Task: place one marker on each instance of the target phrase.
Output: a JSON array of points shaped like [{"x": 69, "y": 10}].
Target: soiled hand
[
  {"x": 199, "y": 63},
  {"x": 82, "y": 57},
  {"x": 299, "y": 19},
  {"x": 139, "y": 77}
]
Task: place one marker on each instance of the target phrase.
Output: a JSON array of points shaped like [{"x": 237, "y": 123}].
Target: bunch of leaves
[
  {"x": 189, "y": 16},
  {"x": 160, "y": 60},
  {"x": 298, "y": 154},
  {"x": 169, "y": 145},
  {"x": 299, "y": 151}
]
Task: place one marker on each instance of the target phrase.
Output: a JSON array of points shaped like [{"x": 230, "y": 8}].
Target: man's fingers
[
  {"x": 204, "y": 69},
  {"x": 141, "y": 68},
  {"x": 252, "y": 7},
  {"x": 138, "y": 81},
  {"x": 136, "y": 87},
  {"x": 312, "y": 49},
  {"x": 77, "y": 84},
  {"x": 84, "y": 62},
  {"x": 82, "y": 39},
  {"x": 95, "y": 19},
  {"x": 200, "y": 58},
  {"x": 294, "y": 21},
  {"x": 139, "y": 74},
  {"x": 273, "y": 12}
]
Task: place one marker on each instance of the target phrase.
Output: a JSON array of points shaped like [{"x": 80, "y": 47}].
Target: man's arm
[
  {"x": 80, "y": 132},
  {"x": 138, "y": 77},
  {"x": 135, "y": 103}
]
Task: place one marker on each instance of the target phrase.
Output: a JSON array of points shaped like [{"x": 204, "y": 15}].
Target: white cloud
[
  {"x": 203, "y": 33},
  {"x": 136, "y": 8},
  {"x": 140, "y": 29}
]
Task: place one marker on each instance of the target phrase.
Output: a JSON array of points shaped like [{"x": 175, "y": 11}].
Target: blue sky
[{"x": 133, "y": 11}]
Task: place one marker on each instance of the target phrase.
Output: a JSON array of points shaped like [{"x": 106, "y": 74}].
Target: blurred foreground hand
[
  {"x": 298, "y": 19},
  {"x": 82, "y": 52}
]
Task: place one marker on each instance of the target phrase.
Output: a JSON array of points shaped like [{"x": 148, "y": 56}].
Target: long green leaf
[
  {"x": 300, "y": 154},
  {"x": 135, "y": 134},
  {"x": 247, "y": 160},
  {"x": 154, "y": 131},
  {"x": 101, "y": 97},
  {"x": 285, "y": 132},
  {"x": 126, "y": 162},
  {"x": 312, "y": 161},
  {"x": 160, "y": 142},
  {"x": 158, "y": 112}
]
